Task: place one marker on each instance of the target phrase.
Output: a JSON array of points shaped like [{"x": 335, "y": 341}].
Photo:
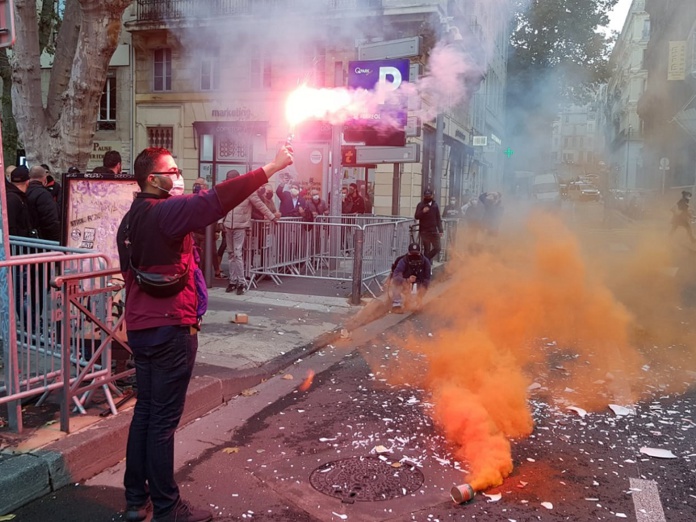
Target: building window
[
  {"x": 107, "y": 104},
  {"x": 646, "y": 30},
  {"x": 313, "y": 66},
  {"x": 160, "y": 137},
  {"x": 259, "y": 70},
  {"x": 210, "y": 70},
  {"x": 163, "y": 70}
]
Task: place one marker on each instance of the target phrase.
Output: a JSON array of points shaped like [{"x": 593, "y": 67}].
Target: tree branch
[{"x": 66, "y": 43}]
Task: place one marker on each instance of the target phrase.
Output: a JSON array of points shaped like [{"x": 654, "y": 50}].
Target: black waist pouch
[{"x": 160, "y": 285}]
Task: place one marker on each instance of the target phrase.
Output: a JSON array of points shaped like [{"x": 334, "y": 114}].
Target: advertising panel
[{"x": 385, "y": 125}]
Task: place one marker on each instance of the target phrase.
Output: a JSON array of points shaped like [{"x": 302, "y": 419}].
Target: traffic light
[{"x": 349, "y": 155}]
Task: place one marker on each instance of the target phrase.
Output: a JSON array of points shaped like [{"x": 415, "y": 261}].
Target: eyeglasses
[{"x": 178, "y": 173}]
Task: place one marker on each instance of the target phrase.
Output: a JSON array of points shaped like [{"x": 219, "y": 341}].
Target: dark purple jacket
[{"x": 161, "y": 242}]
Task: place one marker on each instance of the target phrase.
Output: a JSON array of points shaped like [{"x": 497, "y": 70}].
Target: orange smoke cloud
[{"x": 533, "y": 307}]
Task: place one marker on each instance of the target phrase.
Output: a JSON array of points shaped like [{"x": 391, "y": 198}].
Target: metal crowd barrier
[
  {"x": 447, "y": 241},
  {"x": 63, "y": 328},
  {"x": 359, "y": 249}
]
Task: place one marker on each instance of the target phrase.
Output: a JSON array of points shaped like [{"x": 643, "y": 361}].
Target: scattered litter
[
  {"x": 533, "y": 386},
  {"x": 345, "y": 334},
  {"x": 522, "y": 484},
  {"x": 4, "y": 518},
  {"x": 530, "y": 459},
  {"x": 547, "y": 505},
  {"x": 493, "y": 498},
  {"x": 240, "y": 319},
  {"x": 380, "y": 449},
  {"x": 620, "y": 410},
  {"x": 577, "y": 410},
  {"x": 230, "y": 450},
  {"x": 324, "y": 439},
  {"x": 342, "y": 517},
  {"x": 621, "y": 515},
  {"x": 658, "y": 453},
  {"x": 287, "y": 377},
  {"x": 248, "y": 392}
]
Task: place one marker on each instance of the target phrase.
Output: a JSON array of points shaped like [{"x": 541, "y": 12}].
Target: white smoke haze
[{"x": 286, "y": 37}]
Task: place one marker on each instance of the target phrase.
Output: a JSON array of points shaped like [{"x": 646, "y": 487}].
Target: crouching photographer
[{"x": 410, "y": 278}]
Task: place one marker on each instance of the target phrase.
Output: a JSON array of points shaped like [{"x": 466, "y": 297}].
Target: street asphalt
[{"x": 284, "y": 324}]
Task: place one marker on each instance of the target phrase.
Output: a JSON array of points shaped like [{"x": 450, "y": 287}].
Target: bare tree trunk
[
  {"x": 61, "y": 133},
  {"x": 9, "y": 127}
]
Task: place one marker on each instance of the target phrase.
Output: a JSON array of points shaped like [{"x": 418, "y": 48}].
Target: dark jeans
[
  {"x": 162, "y": 374},
  {"x": 431, "y": 244}
]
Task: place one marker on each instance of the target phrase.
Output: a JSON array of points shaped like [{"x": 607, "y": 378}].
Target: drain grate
[{"x": 365, "y": 479}]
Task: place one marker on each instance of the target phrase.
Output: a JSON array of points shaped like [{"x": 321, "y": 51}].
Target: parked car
[{"x": 581, "y": 191}]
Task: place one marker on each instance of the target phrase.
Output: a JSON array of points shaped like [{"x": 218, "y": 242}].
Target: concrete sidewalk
[{"x": 285, "y": 324}]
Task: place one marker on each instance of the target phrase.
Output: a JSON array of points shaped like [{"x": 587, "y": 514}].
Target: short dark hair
[
  {"x": 145, "y": 163},
  {"x": 231, "y": 174},
  {"x": 46, "y": 168},
  {"x": 354, "y": 185},
  {"x": 111, "y": 159}
]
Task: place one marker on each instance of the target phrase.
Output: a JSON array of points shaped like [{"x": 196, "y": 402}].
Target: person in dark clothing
[
  {"x": 681, "y": 216},
  {"x": 410, "y": 276},
  {"x": 292, "y": 204},
  {"x": 44, "y": 210},
  {"x": 18, "y": 214},
  {"x": 20, "y": 224},
  {"x": 155, "y": 239},
  {"x": 452, "y": 211},
  {"x": 492, "y": 211},
  {"x": 56, "y": 190},
  {"x": 429, "y": 225},
  {"x": 354, "y": 203}
]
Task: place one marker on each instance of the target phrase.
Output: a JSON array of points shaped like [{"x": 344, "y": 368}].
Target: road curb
[{"x": 81, "y": 455}]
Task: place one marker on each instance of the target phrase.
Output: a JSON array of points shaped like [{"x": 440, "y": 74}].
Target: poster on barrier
[{"x": 93, "y": 206}]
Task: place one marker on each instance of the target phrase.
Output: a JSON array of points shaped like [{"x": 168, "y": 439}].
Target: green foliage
[{"x": 557, "y": 42}]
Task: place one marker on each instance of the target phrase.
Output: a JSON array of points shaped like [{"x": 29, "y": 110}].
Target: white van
[{"x": 546, "y": 191}]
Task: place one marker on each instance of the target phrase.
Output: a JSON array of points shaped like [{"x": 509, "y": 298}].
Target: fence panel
[{"x": 61, "y": 338}]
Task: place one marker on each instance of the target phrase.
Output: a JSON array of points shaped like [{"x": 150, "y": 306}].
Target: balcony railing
[{"x": 160, "y": 10}]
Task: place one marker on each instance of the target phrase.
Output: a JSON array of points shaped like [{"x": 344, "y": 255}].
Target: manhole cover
[{"x": 365, "y": 479}]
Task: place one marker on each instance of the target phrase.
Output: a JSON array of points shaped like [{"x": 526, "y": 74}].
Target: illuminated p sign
[
  {"x": 386, "y": 126},
  {"x": 366, "y": 74},
  {"x": 391, "y": 76}
]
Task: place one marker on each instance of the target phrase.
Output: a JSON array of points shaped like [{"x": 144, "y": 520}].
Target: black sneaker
[
  {"x": 230, "y": 288},
  {"x": 241, "y": 289},
  {"x": 138, "y": 513},
  {"x": 185, "y": 512}
]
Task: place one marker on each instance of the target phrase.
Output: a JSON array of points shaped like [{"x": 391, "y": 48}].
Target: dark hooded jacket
[
  {"x": 44, "y": 211},
  {"x": 18, "y": 215}
]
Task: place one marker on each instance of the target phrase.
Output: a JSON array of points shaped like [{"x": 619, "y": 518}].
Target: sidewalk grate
[{"x": 366, "y": 479}]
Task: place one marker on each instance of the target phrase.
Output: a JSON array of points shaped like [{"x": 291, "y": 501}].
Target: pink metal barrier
[{"x": 63, "y": 330}]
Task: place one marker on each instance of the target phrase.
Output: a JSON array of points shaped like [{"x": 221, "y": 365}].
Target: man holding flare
[{"x": 165, "y": 300}]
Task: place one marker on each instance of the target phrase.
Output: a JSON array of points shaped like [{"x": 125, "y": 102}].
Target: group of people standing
[
  {"x": 34, "y": 202},
  {"x": 35, "y": 198}
]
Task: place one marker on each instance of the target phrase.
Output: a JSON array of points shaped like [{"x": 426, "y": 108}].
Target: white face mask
[
  {"x": 315, "y": 197},
  {"x": 177, "y": 187},
  {"x": 294, "y": 192}
]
